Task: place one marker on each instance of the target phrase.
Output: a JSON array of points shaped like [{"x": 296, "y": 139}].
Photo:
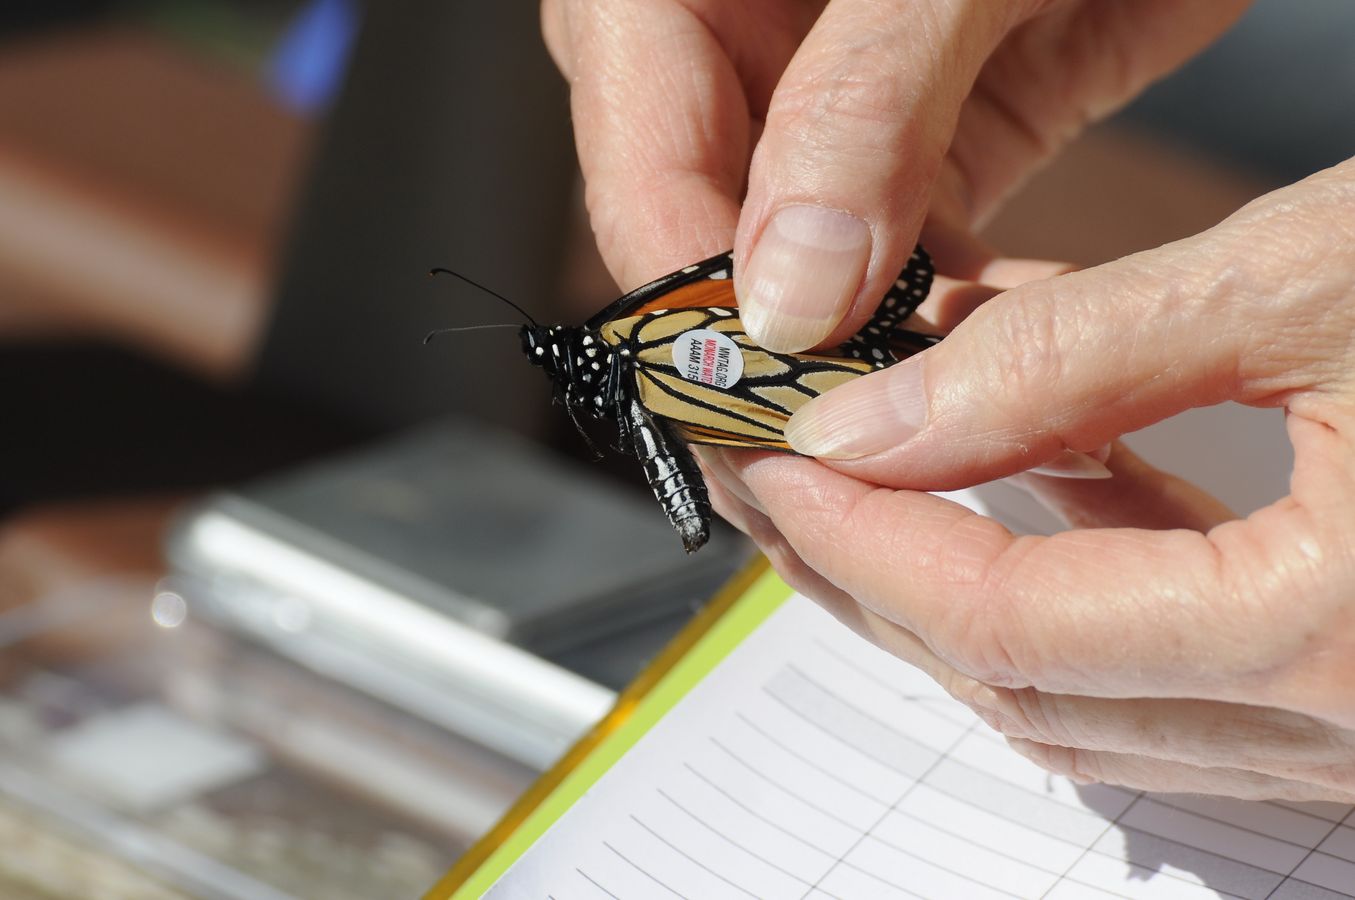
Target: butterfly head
[{"x": 547, "y": 347}]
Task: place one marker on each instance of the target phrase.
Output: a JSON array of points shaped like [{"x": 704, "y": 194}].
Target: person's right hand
[{"x": 835, "y": 126}]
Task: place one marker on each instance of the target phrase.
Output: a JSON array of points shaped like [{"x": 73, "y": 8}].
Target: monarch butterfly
[{"x": 671, "y": 364}]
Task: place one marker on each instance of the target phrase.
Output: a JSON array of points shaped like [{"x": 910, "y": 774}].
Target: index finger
[
  {"x": 1099, "y": 612},
  {"x": 662, "y": 130}
]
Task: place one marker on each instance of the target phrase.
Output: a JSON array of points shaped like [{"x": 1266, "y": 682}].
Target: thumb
[
  {"x": 855, "y": 134},
  {"x": 881, "y": 97},
  {"x": 1073, "y": 362}
]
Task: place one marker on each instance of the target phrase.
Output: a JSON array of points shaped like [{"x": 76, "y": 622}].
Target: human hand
[
  {"x": 863, "y": 113},
  {"x": 1161, "y": 644}
]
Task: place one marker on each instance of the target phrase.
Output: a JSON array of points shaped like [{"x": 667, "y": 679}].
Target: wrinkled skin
[{"x": 1160, "y": 643}]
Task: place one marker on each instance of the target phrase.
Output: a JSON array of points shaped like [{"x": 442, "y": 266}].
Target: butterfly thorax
[{"x": 583, "y": 366}]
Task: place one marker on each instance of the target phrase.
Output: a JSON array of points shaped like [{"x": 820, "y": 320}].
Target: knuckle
[
  {"x": 1037, "y": 714},
  {"x": 1291, "y": 304},
  {"x": 1338, "y": 772},
  {"x": 849, "y": 106},
  {"x": 1084, "y": 766},
  {"x": 1027, "y": 350},
  {"x": 1064, "y": 761},
  {"x": 1033, "y": 715},
  {"x": 984, "y": 701},
  {"x": 989, "y": 633},
  {"x": 1256, "y": 582},
  {"x": 604, "y": 215},
  {"x": 847, "y": 92},
  {"x": 971, "y": 634}
]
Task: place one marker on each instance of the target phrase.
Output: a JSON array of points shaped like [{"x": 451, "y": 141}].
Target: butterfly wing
[
  {"x": 708, "y": 283},
  {"x": 753, "y": 411},
  {"x": 883, "y": 340}
]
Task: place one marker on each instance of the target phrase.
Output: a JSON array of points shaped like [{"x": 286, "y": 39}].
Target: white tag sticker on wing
[{"x": 708, "y": 357}]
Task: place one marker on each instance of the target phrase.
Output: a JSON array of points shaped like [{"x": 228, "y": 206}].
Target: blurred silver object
[
  {"x": 440, "y": 570},
  {"x": 145, "y": 755}
]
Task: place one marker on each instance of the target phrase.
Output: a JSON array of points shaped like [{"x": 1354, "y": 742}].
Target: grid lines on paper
[{"x": 839, "y": 772}]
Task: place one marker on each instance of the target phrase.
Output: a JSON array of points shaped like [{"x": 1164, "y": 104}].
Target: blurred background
[{"x": 292, "y": 605}]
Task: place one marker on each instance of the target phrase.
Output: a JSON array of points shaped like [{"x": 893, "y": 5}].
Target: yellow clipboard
[{"x": 738, "y": 608}]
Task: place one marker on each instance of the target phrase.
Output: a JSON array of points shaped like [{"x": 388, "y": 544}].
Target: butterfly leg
[
  {"x": 672, "y": 473},
  {"x": 615, "y": 403}
]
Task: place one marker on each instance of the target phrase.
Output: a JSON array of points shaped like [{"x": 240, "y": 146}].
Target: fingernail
[
  {"x": 802, "y": 276},
  {"x": 864, "y": 416},
  {"x": 1072, "y": 464}
]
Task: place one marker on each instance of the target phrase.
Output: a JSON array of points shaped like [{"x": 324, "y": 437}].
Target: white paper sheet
[{"x": 812, "y": 765}]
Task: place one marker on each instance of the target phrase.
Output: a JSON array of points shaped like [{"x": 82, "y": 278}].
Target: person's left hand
[{"x": 1161, "y": 643}]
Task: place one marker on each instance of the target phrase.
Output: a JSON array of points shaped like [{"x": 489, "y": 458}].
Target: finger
[
  {"x": 860, "y": 123},
  {"x": 713, "y": 464},
  {"x": 881, "y": 632},
  {"x": 782, "y": 557},
  {"x": 1009, "y": 272},
  {"x": 840, "y": 179},
  {"x": 1072, "y": 65},
  {"x": 1199, "y": 733},
  {"x": 1202, "y": 734},
  {"x": 954, "y": 248},
  {"x": 1107, "y": 612},
  {"x": 959, "y": 253},
  {"x": 974, "y": 274},
  {"x": 555, "y": 33},
  {"x": 663, "y": 148},
  {"x": 1072, "y": 362},
  {"x": 951, "y": 301},
  {"x": 1184, "y": 737},
  {"x": 1136, "y": 495},
  {"x": 1143, "y": 774}
]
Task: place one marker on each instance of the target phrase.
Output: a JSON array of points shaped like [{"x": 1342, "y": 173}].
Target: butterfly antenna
[
  {"x": 437, "y": 331},
  {"x": 525, "y": 314}
]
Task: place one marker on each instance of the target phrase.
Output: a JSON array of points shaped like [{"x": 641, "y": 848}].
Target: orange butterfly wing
[{"x": 708, "y": 283}]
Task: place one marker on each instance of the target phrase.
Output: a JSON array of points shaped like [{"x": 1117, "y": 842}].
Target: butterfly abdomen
[{"x": 672, "y": 474}]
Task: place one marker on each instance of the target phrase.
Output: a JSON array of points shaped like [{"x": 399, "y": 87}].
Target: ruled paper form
[{"x": 812, "y": 765}]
